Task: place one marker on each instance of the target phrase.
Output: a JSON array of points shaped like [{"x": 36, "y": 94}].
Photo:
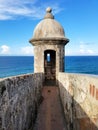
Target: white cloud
[
  {"x": 4, "y": 49},
  {"x": 28, "y": 50},
  {"x": 10, "y": 9},
  {"x": 90, "y": 51},
  {"x": 84, "y": 49},
  {"x": 68, "y": 52},
  {"x": 81, "y": 48}
]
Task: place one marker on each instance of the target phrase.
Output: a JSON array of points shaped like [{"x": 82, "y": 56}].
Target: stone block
[{"x": 96, "y": 94}]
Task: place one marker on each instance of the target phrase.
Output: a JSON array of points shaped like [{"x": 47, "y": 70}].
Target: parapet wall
[
  {"x": 19, "y": 99},
  {"x": 79, "y": 96}
]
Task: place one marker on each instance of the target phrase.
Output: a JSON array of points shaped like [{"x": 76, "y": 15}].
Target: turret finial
[
  {"x": 49, "y": 14},
  {"x": 49, "y": 10}
]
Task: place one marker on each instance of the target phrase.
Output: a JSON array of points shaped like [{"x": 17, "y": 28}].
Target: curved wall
[
  {"x": 79, "y": 96},
  {"x": 20, "y": 97},
  {"x": 19, "y": 100}
]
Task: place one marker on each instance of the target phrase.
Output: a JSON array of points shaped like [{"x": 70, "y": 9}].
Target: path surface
[{"x": 50, "y": 115}]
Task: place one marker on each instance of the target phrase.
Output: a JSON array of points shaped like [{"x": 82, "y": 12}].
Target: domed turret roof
[{"x": 48, "y": 28}]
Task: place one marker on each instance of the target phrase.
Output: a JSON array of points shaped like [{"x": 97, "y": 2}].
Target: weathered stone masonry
[
  {"x": 21, "y": 95},
  {"x": 79, "y": 96},
  {"x": 39, "y": 57},
  {"x": 19, "y": 99},
  {"x": 49, "y": 37}
]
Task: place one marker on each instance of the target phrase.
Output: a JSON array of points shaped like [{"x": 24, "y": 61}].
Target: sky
[{"x": 18, "y": 18}]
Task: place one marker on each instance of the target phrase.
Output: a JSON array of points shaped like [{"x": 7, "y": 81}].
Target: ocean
[
  {"x": 17, "y": 65},
  {"x": 82, "y": 64}
]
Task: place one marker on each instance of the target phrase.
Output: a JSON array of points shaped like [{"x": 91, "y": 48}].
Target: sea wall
[
  {"x": 79, "y": 96},
  {"x": 19, "y": 100}
]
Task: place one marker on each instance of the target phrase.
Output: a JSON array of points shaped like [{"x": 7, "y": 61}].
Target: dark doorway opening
[{"x": 50, "y": 65}]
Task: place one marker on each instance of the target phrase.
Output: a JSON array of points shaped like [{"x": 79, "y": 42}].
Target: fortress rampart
[
  {"x": 19, "y": 100},
  {"x": 79, "y": 96},
  {"x": 20, "y": 97}
]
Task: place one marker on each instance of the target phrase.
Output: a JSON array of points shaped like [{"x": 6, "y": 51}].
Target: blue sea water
[
  {"x": 82, "y": 64},
  {"x": 17, "y": 65}
]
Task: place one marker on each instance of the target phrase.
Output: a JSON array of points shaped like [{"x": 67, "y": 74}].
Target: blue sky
[{"x": 18, "y": 19}]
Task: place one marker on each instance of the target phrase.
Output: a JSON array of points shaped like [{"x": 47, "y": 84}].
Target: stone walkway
[{"x": 50, "y": 115}]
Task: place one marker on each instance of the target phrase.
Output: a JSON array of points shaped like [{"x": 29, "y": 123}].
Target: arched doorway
[{"x": 50, "y": 64}]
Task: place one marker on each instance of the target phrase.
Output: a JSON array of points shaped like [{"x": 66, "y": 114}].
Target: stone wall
[
  {"x": 19, "y": 100},
  {"x": 39, "y": 56},
  {"x": 79, "y": 96}
]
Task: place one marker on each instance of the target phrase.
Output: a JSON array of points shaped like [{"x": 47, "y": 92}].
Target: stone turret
[{"x": 49, "y": 41}]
